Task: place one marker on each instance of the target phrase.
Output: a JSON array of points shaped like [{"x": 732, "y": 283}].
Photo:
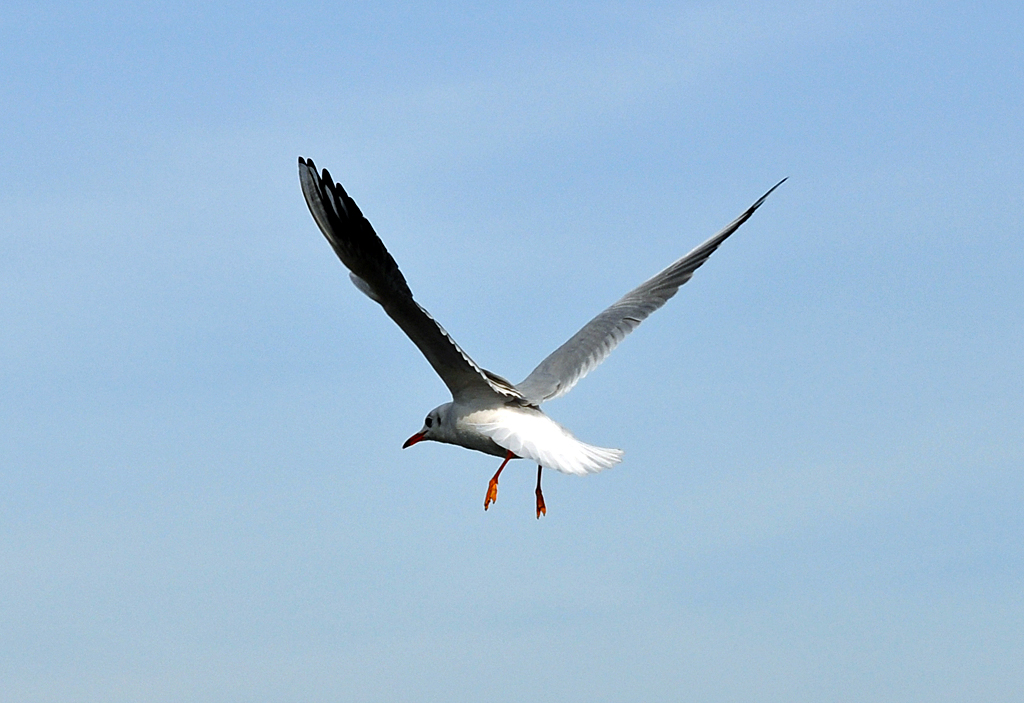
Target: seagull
[{"x": 487, "y": 413}]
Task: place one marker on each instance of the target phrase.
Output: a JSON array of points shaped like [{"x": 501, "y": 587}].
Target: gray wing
[
  {"x": 557, "y": 374},
  {"x": 376, "y": 274}
]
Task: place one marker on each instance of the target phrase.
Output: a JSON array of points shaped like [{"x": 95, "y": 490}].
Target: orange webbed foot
[
  {"x": 492, "y": 493},
  {"x": 492, "y": 487}
]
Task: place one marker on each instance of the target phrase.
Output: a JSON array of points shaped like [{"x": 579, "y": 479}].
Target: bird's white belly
[
  {"x": 468, "y": 435},
  {"x": 530, "y": 434}
]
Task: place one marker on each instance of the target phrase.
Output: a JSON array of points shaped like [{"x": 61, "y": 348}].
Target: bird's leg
[
  {"x": 541, "y": 509},
  {"x": 492, "y": 487}
]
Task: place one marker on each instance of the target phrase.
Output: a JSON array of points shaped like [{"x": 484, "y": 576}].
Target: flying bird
[{"x": 487, "y": 413}]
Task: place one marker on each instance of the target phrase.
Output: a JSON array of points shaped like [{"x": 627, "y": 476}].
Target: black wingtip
[
  {"x": 764, "y": 197},
  {"x": 325, "y": 174},
  {"x": 772, "y": 189}
]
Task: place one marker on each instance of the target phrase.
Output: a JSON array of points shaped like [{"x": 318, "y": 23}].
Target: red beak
[{"x": 413, "y": 440}]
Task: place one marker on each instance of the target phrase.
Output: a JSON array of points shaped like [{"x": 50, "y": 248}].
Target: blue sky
[{"x": 202, "y": 491}]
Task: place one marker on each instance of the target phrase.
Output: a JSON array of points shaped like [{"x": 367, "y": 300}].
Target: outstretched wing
[
  {"x": 376, "y": 274},
  {"x": 557, "y": 374}
]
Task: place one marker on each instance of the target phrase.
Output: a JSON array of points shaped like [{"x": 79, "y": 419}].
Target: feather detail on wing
[
  {"x": 563, "y": 368},
  {"x": 530, "y": 434},
  {"x": 375, "y": 273}
]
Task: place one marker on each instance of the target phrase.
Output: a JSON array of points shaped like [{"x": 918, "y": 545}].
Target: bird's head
[{"x": 434, "y": 427}]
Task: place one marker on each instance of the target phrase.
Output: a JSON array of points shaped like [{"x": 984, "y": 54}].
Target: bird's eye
[{"x": 429, "y": 421}]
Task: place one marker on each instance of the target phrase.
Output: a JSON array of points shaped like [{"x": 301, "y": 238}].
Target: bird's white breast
[{"x": 530, "y": 434}]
